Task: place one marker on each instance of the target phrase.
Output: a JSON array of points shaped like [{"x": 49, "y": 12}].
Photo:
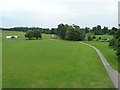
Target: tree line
[
  {"x": 25, "y": 29},
  {"x": 115, "y": 43},
  {"x": 97, "y": 30}
]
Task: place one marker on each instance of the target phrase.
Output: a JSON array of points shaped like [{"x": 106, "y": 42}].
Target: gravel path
[{"x": 112, "y": 73}]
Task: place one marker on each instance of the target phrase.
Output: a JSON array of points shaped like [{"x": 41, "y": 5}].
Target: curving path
[{"x": 112, "y": 73}]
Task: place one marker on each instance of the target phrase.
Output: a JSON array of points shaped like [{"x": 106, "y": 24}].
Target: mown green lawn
[
  {"x": 52, "y": 64},
  {"x": 108, "y": 52}
]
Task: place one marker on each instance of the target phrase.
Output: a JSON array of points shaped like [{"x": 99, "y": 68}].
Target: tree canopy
[
  {"x": 30, "y": 34},
  {"x": 115, "y": 43},
  {"x": 70, "y": 32},
  {"x": 97, "y": 30}
]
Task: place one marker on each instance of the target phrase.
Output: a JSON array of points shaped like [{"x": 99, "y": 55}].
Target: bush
[
  {"x": 33, "y": 34},
  {"x": 37, "y": 34},
  {"x": 29, "y": 34},
  {"x": 118, "y": 49},
  {"x": 115, "y": 43},
  {"x": 73, "y": 35},
  {"x": 89, "y": 36},
  {"x": 70, "y": 32},
  {"x": 93, "y": 37},
  {"x": 99, "y": 38}
]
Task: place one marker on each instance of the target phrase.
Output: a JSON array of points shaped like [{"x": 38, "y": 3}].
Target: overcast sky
[{"x": 50, "y": 13}]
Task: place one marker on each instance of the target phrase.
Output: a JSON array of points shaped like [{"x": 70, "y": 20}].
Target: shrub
[
  {"x": 33, "y": 34},
  {"x": 29, "y": 34}
]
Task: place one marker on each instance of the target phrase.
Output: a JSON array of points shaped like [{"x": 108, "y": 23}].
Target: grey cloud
[{"x": 49, "y": 13}]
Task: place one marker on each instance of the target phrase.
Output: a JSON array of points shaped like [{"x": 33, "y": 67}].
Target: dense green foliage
[
  {"x": 115, "y": 43},
  {"x": 61, "y": 30},
  {"x": 37, "y": 34},
  {"x": 70, "y": 32},
  {"x": 25, "y": 29},
  {"x": 118, "y": 48},
  {"x": 117, "y": 36},
  {"x": 113, "y": 31},
  {"x": 90, "y": 37},
  {"x": 97, "y": 30},
  {"x": 30, "y": 34},
  {"x": 101, "y": 31}
]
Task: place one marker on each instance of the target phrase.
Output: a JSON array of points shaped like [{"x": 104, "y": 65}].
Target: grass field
[
  {"x": 13, "y": 33},
  {"x": 108, "y": 52},
  {"x": 20, "y": 35},
  {"x": 51, "y": 63},
  {"x": 106, "y": 36}
]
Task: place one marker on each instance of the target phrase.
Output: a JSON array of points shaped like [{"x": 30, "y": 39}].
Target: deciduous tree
[{"x": 29, "y": 34}]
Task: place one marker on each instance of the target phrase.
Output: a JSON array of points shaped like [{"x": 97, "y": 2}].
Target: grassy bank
[{"x": 108, "y": 52}]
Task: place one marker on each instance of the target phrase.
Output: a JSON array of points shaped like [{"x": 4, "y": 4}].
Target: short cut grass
[{"x": 50, "y": 63}]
